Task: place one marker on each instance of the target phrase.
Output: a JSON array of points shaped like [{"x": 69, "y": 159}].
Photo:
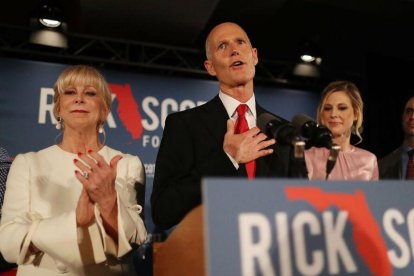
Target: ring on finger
[{"x": 85, "y": 174}]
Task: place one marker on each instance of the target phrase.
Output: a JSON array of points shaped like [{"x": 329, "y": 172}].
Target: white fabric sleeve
[
  {"x": 21, "y": 227},
  {"x": 16, "y": 222},
  {"x": 131, "y": 228}
]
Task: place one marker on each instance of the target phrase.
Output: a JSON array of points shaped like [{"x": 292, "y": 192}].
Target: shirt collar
[
  {"x": 405, "y": 148},
  {"x": 231, "y": 104}
]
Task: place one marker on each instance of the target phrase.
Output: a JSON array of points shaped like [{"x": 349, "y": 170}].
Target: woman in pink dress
[{"x": 341, "y": 111}]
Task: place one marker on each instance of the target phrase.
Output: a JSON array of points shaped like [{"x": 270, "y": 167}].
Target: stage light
[
  {"x": 50, "y": 22},
  {"x": 310, "y": 52},
  {"x": 48, "y": 25},
  {"x": 50, "y": 14},
  {"x": 309, "y": 61},
  {"x": 307, "y": 58}
]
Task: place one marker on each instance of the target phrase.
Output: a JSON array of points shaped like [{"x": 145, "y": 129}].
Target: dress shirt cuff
[{"x": 235, "y": 164}]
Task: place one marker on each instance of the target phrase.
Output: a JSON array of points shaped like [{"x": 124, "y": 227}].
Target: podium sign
[{"x": 298, "y": 227}]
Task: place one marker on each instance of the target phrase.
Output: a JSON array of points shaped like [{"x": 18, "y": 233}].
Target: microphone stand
[
  {"x": 333, "y": 155},
  {"x": 298, "y": 163}
]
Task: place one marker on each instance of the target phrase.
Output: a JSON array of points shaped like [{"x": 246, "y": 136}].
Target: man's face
[
  {"x": 231, "y": 57},
  {"x": 408, "y": 118}
]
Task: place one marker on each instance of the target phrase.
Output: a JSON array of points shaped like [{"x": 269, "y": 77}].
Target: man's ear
[
  {"x": 255, "y": 56},
  {"x": 210, "y": 68}
]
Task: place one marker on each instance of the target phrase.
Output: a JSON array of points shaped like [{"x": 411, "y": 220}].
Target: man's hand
[{"x": 246, "y": 146}]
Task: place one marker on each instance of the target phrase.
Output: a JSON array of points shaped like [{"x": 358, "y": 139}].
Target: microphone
[
  {"x": 333, "y": 155},
  {"x": 298, "y": 164},
  {"x": 276, "y": 127},
  {"x": 316, "y": 135}
]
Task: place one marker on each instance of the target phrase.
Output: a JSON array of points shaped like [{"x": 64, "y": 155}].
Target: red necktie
[
  {"x": 240, "y": 127},
  {"x": 410, "y": 165}
]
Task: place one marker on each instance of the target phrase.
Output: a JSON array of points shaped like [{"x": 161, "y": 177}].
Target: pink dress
[{"x": 355, "y": 164}]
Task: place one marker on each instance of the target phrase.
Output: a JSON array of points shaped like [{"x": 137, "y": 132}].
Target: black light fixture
[
  {"x": 310, "y": 59},
  {"x": 48, "y": 23},
  {"x": 50, "y": 14}
]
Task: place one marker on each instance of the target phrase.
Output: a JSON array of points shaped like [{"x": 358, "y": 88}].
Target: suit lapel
[
  {"x": 214, "y": 117},
  {"x": 262, "y": 164}
]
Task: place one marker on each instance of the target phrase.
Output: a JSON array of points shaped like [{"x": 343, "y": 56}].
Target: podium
[
  {"x": 183, "y": 251},
  {"x": 294, "y": 227}
]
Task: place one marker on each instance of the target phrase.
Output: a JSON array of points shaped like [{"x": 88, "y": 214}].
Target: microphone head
[
  {"x": 317, "y": 135},
  {"x": 276, "y": 127},
  {"x": 305, "y": 124},
  {"x": 301, "y": 119},
  {"x": 321, "y": 137},
  {"x": 263, "y": 120}
]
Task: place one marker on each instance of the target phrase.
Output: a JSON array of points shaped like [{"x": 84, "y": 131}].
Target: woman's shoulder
[
  {"x": 54, "y": 149},
  {"x": 364, "y": 152}
]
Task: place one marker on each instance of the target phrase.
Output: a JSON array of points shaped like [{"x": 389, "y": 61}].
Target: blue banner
[
  {"x": 141, "y": 103},
  {"x": 297, "y": 227}
]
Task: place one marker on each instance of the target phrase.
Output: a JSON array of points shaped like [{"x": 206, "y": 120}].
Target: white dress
[{"x": 39, "y": 207}]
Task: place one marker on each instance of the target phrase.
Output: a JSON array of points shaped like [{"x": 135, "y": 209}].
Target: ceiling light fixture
[
  {"x": 50, "y": 22},
  {"x": 309, "y": 62},
  {"x": 48, "y": 25},
  {"x": 310, "y": 52},
  {"x": 307, "y": 58},
  {"x": 50, "y": 14}
]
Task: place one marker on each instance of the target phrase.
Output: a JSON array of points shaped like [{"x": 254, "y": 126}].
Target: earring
[
  {"x": 101, "y": 129},
  {"x": 59, "y": 122}
]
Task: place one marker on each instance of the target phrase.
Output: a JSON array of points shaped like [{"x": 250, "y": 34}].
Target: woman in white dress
[{"x": 71, "y": 208}]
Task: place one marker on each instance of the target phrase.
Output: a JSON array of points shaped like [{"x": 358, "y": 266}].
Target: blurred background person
[
  {"x": 341, "y": 111},
  {"x": 399, "y": 164},
  {"x": 71, "y": 208},
  {"x": 5, "y": 162}
]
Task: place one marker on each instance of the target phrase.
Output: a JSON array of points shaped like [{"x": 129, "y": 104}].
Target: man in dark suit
[
  {"x": 201, "y": 142},
  {"x": 394, "y": 165}
]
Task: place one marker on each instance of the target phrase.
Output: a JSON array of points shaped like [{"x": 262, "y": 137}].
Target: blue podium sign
[{"x": 298, "y": 227}]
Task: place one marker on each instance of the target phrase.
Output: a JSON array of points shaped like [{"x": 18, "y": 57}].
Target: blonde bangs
[{"x": 79, "y": 76}]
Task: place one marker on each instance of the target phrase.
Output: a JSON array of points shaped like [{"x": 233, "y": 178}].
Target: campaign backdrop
[
  {"x": 297, "y": 227},
  {"x": 141, "y": 102}
]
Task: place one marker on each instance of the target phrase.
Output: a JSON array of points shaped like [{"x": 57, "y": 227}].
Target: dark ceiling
[{"x": 347, "y": 31}]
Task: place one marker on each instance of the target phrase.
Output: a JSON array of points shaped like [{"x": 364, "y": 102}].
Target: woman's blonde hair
[
  {"x": 83, "y": 75},
  {"x": 354, "y": 95}
]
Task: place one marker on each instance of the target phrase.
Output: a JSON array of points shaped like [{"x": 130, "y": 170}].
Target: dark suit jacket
[
  {"x": 390, "y": 166},
  {"x": 192, "y": 148}
]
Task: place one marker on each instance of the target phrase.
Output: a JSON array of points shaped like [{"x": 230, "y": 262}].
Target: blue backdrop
[{"x": 141, "y": 103}]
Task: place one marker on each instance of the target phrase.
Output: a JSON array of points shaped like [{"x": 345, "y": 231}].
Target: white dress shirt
[{"x": 231, "y": 104}]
